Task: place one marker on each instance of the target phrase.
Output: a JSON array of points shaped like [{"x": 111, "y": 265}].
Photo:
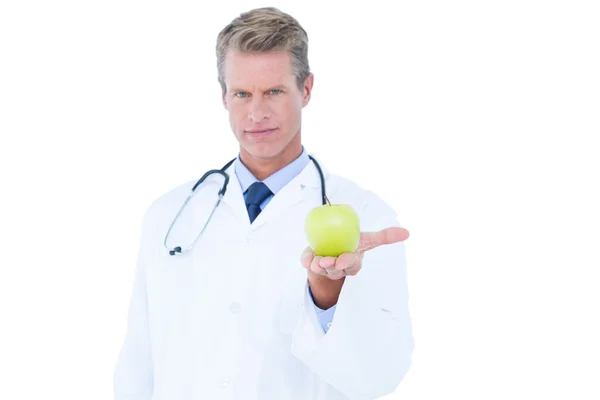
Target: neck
[{"x": 262, "y": 168}]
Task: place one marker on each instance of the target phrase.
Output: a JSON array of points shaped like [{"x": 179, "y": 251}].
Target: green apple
[{"x": 332, "y": 229}]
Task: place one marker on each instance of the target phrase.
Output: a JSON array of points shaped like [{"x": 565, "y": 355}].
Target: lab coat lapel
[
  {"x": 292, "y": 193},
  {"x": 234, "y": 197}
]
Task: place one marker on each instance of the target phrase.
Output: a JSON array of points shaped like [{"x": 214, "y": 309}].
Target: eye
[
  {"x": 275, "y": 90},
  {"x": 241, "y": 94}
]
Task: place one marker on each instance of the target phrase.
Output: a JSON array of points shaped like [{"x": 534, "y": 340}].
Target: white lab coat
[{"x": 232, "y": 319}]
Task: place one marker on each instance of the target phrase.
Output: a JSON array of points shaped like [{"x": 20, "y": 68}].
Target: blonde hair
[{"x": 264, "y": 30}]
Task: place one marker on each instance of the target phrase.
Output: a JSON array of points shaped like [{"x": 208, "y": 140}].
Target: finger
[
  {"x": 307, "y": 257},
  {"x": 356, "y": 266},
  {"x": 335, "y": 274},
  {"x": 345, "y": 261},
  {"x": 315, "y": 267},
  {"x": 370, "y": 240},
  {"x": 327, "y": 262}
]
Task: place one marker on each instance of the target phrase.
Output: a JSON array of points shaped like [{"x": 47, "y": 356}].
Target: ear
[
  {"x": 308, "y": 86},
  {"x": 224, "y": 98}
]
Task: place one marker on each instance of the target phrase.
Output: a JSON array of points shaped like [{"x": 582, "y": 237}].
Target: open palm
[{"x": 351, "y": 263}]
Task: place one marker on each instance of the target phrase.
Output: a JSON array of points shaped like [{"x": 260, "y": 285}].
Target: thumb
[
  {"x": 371, "y": 240},
  {"x": 307, "y": 257}
]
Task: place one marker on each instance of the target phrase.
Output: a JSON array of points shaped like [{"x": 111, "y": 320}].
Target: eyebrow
[{"x": 274, "y": 87}]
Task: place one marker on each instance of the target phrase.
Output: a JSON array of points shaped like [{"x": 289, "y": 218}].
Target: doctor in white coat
[{"x": 250, "y": 313}]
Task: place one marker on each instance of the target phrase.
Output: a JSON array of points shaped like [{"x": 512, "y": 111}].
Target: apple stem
[{"x": 328, "y": 202}]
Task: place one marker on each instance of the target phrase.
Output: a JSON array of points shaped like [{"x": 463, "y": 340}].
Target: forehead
[{"x": 259, "y": 70}]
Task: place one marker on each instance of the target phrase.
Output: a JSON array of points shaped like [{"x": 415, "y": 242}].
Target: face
[{"x": 264, "y": 103}]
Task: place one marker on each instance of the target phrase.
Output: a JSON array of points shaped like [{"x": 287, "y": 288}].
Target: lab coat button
[
  {"x": 235, "y": 307},
  {"x": 224, "y": 382}
]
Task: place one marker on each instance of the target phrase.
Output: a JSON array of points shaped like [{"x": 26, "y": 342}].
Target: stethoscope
[{"x": 178, "y": 250}]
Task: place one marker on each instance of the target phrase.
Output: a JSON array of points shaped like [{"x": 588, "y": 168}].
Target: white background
[{"x": 485, "y": 115}]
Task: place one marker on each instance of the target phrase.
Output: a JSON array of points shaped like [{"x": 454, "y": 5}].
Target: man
[{"x": 251, "y": 313}]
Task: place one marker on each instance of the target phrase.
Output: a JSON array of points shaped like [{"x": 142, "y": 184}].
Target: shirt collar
[{"x": 278, "y": 179}]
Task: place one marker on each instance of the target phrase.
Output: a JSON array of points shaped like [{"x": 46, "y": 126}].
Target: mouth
[{"x": 260, "y": 133}]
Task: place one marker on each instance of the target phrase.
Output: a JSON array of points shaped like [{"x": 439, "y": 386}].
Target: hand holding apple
[{"x": 336, "y": 243}]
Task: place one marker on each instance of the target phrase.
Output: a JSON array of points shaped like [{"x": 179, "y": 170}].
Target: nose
[{"x": 258, "y": 110}]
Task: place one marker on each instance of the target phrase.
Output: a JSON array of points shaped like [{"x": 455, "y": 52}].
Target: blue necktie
[{"x": 257, "y": 193}]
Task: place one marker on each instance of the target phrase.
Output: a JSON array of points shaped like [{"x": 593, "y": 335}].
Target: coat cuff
[{"x": 325, "y": 317}]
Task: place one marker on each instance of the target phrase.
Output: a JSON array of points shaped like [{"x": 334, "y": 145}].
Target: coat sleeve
[
  {"x": 133, "y": 373},
  {"x": 367, "y": 350}
]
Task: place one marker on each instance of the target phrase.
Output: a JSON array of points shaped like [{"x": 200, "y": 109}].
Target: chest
[{"x": 234, "y": 268}]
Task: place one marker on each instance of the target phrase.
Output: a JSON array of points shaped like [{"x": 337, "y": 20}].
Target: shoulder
[
  {"x": 167, "y": 203},
  {"x": 170, "y": 201}
]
